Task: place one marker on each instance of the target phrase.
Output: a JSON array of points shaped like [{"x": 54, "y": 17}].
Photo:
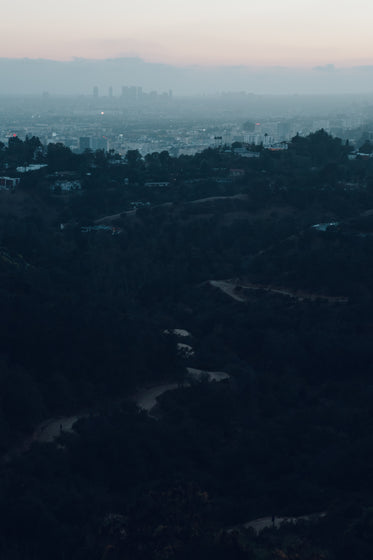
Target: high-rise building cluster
[{"x": 132, "y": 94}]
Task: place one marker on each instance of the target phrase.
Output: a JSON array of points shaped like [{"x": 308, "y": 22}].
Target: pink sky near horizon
[{"x": 204, "y": 32}]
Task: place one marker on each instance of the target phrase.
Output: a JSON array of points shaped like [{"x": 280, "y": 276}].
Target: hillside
[{"x": 141, "y": 287}]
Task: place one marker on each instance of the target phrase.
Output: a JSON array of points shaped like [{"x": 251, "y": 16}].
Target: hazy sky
[{"x": 252, "y": 32}]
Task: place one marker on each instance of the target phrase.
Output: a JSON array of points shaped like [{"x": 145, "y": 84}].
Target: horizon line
[{"x": 323, "y": 67}]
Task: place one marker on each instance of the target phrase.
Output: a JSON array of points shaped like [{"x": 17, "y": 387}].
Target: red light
[{"x": 14, "y": 135}]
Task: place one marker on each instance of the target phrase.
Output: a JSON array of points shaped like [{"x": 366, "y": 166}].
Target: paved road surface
[
  {"x": 265, "y": 522},
  {"x": 145, "y": 399},
  {"x": 228, "y": 288}
]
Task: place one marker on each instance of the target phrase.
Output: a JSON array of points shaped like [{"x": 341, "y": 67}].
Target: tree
[
  {"x": 33, "y": 149},
  {"x": 135, "y": 164},
  {"x": 367, "y": 147},
  {"x": 59, "y": 157},
  {"x": 133, "y": 158}
]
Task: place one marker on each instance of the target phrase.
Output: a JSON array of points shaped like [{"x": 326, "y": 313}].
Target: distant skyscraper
[
  {"x": 111, "y": 91},
  {"x": 283, "y": 130},
  {"x": 133, "y": 93},
  {"x": 95, "y": 91}
]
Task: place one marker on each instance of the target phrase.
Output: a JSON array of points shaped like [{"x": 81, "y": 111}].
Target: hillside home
[{"x": 9, "y": 183}]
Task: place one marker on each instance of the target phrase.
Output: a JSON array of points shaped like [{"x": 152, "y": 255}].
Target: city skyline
[{"x": 289, "y": 33}]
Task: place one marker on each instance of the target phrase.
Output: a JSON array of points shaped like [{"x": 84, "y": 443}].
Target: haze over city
[{"x": 271, "y": 47}]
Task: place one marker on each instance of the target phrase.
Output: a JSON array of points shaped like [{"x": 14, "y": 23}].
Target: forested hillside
[{"x": 266, "y": 262}]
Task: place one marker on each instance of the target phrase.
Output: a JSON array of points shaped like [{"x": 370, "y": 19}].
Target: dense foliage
[{"x": 84, "y": 318}]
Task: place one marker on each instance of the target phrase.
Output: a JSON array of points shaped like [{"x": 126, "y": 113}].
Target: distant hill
[{"x": 79, "y": 76}]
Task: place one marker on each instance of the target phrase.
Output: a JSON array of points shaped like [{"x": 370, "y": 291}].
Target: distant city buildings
[
  {"x": 93, "y": 143},
  {"x": 150, "y": 121}
]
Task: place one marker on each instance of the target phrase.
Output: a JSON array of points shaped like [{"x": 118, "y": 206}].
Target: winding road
[
  {"x": 267, "y": 522},
  {"x": 145, "y": 398},
  {"x": 236, "y": 291}
]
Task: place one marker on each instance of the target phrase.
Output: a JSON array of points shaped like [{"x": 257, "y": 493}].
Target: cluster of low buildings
[{"x": 178, "y": 126}]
